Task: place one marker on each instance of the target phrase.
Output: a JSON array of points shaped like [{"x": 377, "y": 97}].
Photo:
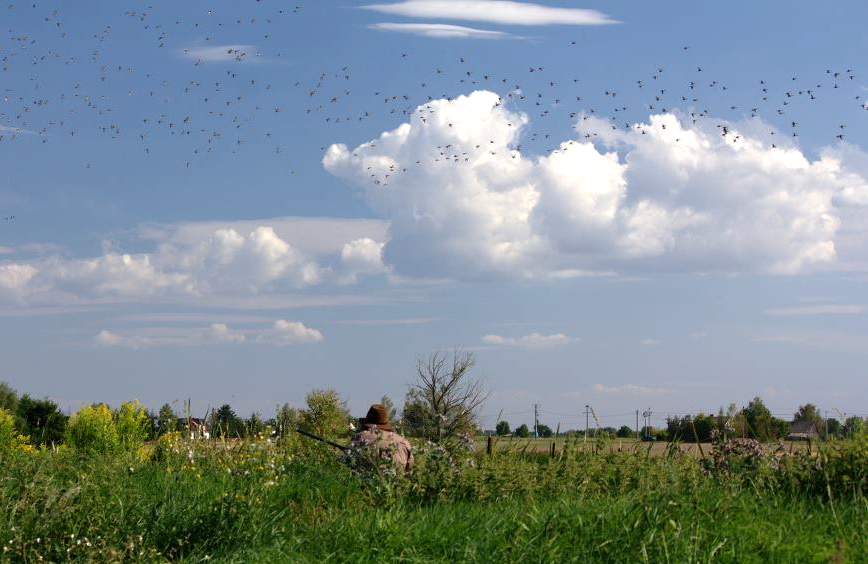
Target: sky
[{"x": 632, "y": 206}]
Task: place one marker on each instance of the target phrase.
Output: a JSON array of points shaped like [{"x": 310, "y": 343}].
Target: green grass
[{"x": 255, "y": 502}]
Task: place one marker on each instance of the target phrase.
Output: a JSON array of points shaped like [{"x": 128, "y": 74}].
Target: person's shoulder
[{"x": 401, "y": 439}]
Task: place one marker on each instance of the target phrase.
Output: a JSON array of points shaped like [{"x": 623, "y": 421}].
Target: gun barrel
[{"x": 322, "y": 440}]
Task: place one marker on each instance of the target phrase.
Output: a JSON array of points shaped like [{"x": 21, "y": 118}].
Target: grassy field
[
  {"x": 294, "y": 502},
  {"x": 654, "y": 448}
]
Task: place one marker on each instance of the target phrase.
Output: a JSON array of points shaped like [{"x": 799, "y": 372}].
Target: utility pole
[
  {"x": 637, "y": 424},
  {"x": 536, "y": 420},
  {"x": 587, "y": 422},
  {"x": 647, "y": 420},
  {"x": 826, "y": 421}
]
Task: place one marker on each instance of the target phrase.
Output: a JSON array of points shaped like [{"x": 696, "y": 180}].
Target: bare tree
[{"x": 451, "y": 395}]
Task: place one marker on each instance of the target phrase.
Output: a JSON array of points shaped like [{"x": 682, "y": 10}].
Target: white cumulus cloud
[
  {"x": 494, "y": 11},
  {"x": 531, "y": 341},
  {"x": 666, "y": 195},
  {"x": 290, "y": 333},
  {"x": 202, "y": 263},
  {"x": 221, "y": 333},
  {"x": 280, "y": 333},
  {"x": 361, "y": 256}
]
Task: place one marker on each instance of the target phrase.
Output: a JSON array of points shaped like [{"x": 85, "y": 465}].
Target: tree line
[{"x": 443, "y": 401}]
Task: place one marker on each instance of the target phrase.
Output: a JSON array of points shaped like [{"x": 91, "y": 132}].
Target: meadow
[{"x": 292, "y": 500}]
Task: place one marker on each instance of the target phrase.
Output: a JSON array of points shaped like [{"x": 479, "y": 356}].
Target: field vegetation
[{"x": 117, "y": 485}]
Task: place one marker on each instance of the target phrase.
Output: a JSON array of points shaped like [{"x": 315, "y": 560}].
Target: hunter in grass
[{"x": 378, "y": 433}]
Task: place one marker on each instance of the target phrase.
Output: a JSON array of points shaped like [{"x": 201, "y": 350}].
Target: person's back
[{"x": 378, "y": 433}]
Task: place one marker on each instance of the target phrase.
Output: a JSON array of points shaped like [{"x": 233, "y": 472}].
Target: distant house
[
  {"x": 197, "y": 428},
  {"x": 802, "y": 431}
]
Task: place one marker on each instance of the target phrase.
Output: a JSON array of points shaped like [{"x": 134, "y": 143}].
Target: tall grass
[{"x": 257, "y": 500}]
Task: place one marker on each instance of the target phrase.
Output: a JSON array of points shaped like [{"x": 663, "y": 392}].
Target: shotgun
[{"x": 344, "y": 448}]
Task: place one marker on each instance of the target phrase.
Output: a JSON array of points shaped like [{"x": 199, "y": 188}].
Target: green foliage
[
  {"x": 391, "y": 410},
  {"x": 502, "y": 428},
  {"x": 8, "y": 398},
  {"x": 92, "y": 430},
  {"x": 522, "y": 431},
  {"x": 326, "y": 414},
  {"x": 691, "y": 429},
  {"x": 276, "y": 503},
  {"x": 417, "y": 418},
  {"x": 8, "y": 432},
  {"x": 133, "y": 424},
  {"x": 255, "y": 425},
  {"x": 544, "y": 431},
  {"x": 42, "y": 420},
  {"x": 625, "y": 432},
  {"x": 854, "y": 426},
  {"x": 224, "y": 423},
  {"x": 287, "y": 418},
  {"x": 167, "y": 421}
]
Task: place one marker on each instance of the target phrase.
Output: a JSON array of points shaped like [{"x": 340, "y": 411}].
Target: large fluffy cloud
[
  {"x": 664, "y": 195},
  {"x": 199, "y": 261}
]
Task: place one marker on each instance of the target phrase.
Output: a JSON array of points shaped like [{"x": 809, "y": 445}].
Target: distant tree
[
  {"x": 450, "y": 393},
  {"x": 702, "y": 426},
  {"x": 286, "y": 420},
  {"x": 778, "y": 428},
  {"x": 391, "y": 410},
  {"x": 544, "y": 431},
  {"x": 167, "y": 421},
  {"x": 502, "y": 428},
  {"x": 255, "y": 425},
  {"x": 522, "y": 431},
  {"x": 758, "y": 419},
  {"x": 225, "y": 423},
  {"x": 673, "y": 427},
  {"x": 42, "y": 420},
  {"x": 8, "y": 398},
  {"x": 417, "y": 418},
  {"x": 810, "y": 413},
  {"x": 853, "y": 426},
  {"x": 832, "y": 427},
  {"x": 624, "y": 432},
  {"x": 326, "y": 414}
]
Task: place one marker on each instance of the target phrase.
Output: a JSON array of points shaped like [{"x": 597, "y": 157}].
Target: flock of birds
[{"x": 219, "y": 108}]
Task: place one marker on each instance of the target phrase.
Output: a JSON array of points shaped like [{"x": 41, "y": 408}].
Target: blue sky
[{"x": 625, "y": 205}]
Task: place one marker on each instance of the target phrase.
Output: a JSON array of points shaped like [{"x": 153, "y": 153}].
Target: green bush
[
  {"x": 7, "y": 430},
  {"x": 132, "y": 425},
  {"x": 326, "y": 414},
  {"x": 92, "y": 429}
]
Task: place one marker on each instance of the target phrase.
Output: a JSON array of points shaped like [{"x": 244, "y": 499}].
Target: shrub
[
  {"x": 132, "y": 425},
  {"x": 92, "y": 429},
  {"x": 7, "y": 430},
  {"x": 326, "y": 414},
  {"x": 42, "y": 420}
]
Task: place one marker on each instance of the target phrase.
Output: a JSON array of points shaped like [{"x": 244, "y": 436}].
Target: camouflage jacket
[{"x": 391, "y": 446}]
